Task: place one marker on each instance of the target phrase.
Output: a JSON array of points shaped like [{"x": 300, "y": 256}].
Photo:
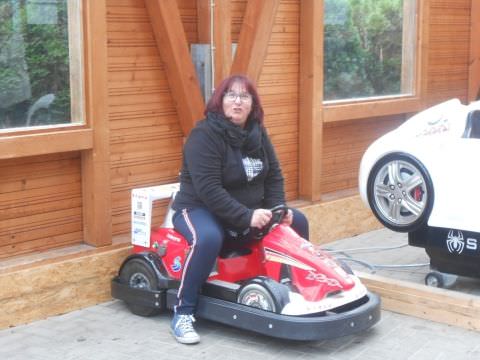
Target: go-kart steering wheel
[{"x": 278, "y": 213}]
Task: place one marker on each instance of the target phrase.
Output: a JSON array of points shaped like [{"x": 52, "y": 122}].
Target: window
[
  {"x": 369, "y": 48},
  {"x": 40, "y": 63}
]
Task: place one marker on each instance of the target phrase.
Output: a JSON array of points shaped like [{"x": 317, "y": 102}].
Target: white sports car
[{"x": 427, "y": 171}]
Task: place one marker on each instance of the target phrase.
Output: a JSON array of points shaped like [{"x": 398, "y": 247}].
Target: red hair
[{"x": 215, "y": 104}]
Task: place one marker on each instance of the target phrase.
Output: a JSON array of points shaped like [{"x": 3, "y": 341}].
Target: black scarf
[{"x": 249, "y": 139}]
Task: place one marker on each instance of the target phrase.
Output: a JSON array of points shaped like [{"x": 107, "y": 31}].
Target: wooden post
[
  {"x": 254, "y": 37},
  {"x": 97, "y": 217},
  {"x": 203, "y": 21},
  {"x": 474, "y": 64},
  {"x": 173, "y": 48},
  {"x": 222, "y": 39},
  {"x": 311, "y": 98}
]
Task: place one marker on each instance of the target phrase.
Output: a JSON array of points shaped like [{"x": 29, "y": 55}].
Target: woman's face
[{"x": 237, "y": 104}]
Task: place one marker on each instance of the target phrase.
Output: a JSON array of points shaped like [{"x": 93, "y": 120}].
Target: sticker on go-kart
[
  {"x": 173, "y": 237},
  {"x": 322, "y": 278},
  {"x": 177, "y": 264},
  {"x": 276, "y": 256},
  {"x": 456, "y": 242}
]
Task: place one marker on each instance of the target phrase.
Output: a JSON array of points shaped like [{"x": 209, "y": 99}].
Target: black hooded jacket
[{"x": 213, "y": 175}]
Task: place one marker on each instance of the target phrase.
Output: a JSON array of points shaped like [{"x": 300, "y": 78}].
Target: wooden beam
[
  {"x": 45, "y": 143},
  {"x": 97, "y": 217},
  {"x": 173, "y": 48},
  {"x": 222, "y": 39},
  {"x": 423, "y": 49},
  {"x": 311, "y": 97},
  {"x": 440, "y": 305},
  {"x": 254, "y": 37},
  {"x": 203, "y": 21},
  {"x": 367, "y": 108},
  {"x": 474, "y": 64}
]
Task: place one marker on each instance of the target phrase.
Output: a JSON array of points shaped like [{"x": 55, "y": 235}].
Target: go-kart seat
[{"x": 472, "y": 129}]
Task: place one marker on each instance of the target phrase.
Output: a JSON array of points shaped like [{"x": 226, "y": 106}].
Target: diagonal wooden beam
[
  {"x": 173, "y": 48},
  {"x": 254, "y": 36}
]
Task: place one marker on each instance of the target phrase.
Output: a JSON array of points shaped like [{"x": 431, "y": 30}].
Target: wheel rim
[
  {"x": 255, "y": 296},
  {"x": 432, "y": 281},
  {"x": 139, "y": 281},
  {"x": 400, "y": 192}
]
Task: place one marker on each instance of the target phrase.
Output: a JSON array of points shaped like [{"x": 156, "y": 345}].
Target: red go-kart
[{"x": 280, "y": 285}]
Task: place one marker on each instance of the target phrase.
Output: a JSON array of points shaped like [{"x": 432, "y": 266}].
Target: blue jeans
[{"x": 206, "y": 235}]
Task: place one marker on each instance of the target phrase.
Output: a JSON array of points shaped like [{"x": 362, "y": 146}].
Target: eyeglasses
[{"x": 232, "y": 96}]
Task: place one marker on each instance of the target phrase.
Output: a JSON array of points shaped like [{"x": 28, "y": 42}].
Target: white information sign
[{"x": 142, "y": 203}]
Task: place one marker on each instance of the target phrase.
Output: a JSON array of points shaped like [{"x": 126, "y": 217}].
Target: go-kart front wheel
[
  {"x": 137, "y": 274},
  {"x": 400, "y": 192},
  {"x": 264, "y": 293}
]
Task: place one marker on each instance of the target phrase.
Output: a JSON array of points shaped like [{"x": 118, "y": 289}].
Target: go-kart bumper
[
  {"x": 312, "y": 327},
  {"x": 327, "y": 325}
]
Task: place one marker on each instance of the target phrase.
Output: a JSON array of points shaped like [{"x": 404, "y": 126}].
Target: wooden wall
[
  {"x": 449, "y": 50},
  {"x": 40, "y": 203},
  {"x": 145, "y": 136},
  {"x": 278, "y": 89},
  {"x": 41, "y": 196}
]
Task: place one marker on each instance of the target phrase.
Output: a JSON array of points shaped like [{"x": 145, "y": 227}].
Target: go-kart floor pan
[{"x": 305, "y": 328}]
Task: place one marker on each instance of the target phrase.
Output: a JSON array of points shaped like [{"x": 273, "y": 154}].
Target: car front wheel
[{"x": 400, "y": 192}]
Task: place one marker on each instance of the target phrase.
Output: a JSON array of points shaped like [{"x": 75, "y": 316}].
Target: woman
[{"x": 230, "y": 178}]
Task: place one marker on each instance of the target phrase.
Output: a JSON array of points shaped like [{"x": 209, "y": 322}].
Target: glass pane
[
  {"x": 368, "y": 48},
  {"x": 34, "y": 63}
]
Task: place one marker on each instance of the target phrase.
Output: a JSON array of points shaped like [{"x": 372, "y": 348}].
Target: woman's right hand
[{"x": 260, "y": 218}]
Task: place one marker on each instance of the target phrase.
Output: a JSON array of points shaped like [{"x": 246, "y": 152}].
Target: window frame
[
  {"x": 76, "y": 135},
  {"x": 359, "y": 108}
]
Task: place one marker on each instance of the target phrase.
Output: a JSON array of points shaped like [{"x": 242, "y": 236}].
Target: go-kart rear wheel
[
  {"x": 400, "y": 192},
  {"x": 264, "y": 293},
  {"x": 137, "y": 274}
]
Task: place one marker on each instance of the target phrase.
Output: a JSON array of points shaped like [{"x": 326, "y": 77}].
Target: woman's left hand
[{"x": 288, "y": 218}]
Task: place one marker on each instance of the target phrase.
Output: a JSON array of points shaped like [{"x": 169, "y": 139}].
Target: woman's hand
[
  {"x": 260, "y": 218},
  {"x": 288, "y": 218}
]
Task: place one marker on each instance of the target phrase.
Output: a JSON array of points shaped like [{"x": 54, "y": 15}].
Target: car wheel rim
[
  {"x": 400, "y": 192},
  {"x": 139, "y": 281},
  {"x": 432, "y": 281},
  {"x": 255, "y": 296}
]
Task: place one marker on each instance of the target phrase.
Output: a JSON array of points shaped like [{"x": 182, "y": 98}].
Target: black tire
[
  {"x": 400, "y": 192},
  {"x": 264, "y": 293},
  {"x": 440, "y": 280},
  {"x": 434, "y": 279},
  {"x": 138, "y": 274}
]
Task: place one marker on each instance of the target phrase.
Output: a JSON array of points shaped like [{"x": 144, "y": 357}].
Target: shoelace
[{"x": 185, "y": 323}]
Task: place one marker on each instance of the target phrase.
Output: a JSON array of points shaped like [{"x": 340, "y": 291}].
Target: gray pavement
[{"x": 110, "y": 331}]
